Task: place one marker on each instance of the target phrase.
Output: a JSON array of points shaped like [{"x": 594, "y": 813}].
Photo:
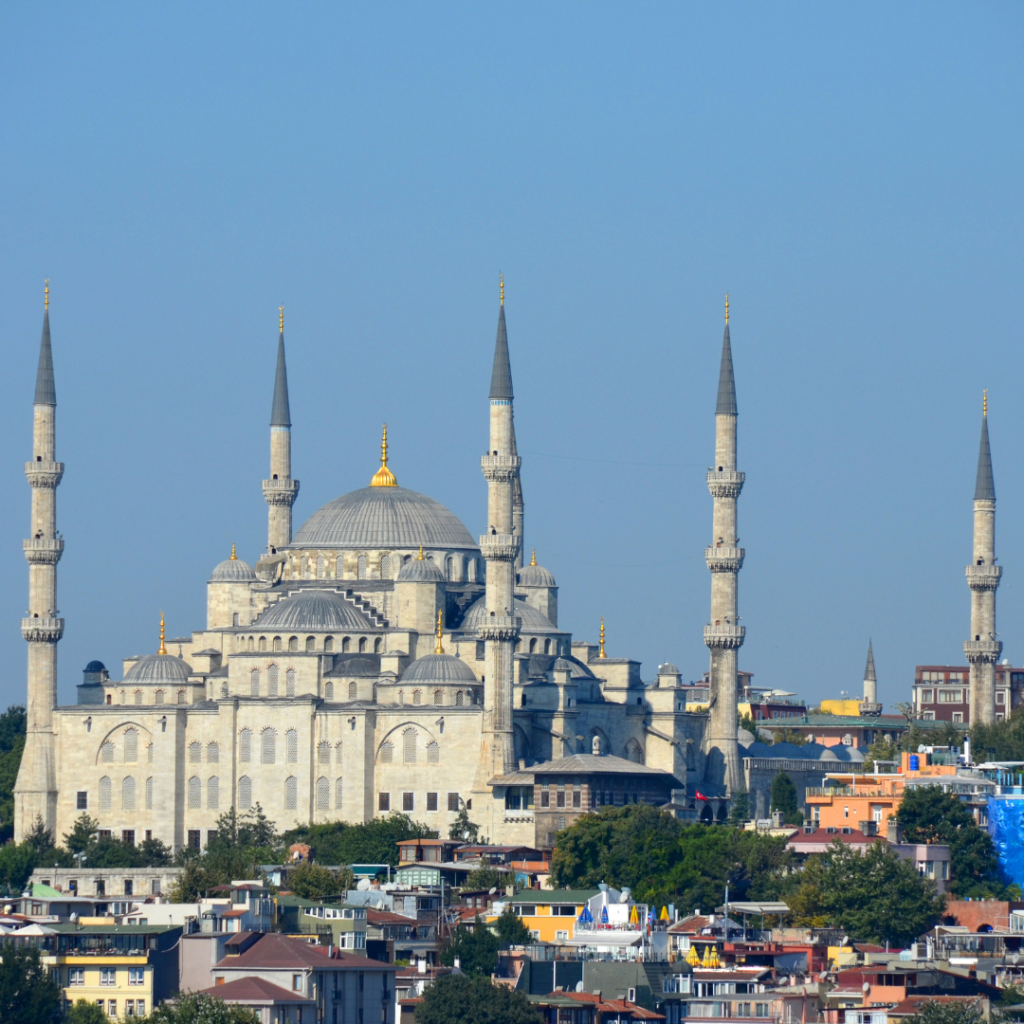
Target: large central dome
[{"x": 383, "y": 518}]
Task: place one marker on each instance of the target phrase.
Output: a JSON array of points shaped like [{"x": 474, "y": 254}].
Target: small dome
[
  {"x": 358, "y": 666},
  {"x": 439, "y": 668},
  {"x": 561, "y": 665},
  {"x": 158, "y": 668},
  {"x": 232, "y": 570},
  {"x": 533, "y": 620},
  {"x": 313, "y": 609},
  {"x": 535, "y": 576},
  {"x": 668, "y": 669},
  {"x": 95, "y": 666},
  {"x": 420, "y": 570}
]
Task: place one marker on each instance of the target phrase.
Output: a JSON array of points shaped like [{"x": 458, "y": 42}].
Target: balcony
[{"x": 724, "y": 635}]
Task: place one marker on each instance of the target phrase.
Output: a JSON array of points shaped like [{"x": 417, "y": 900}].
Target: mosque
[{"x": 381, "y": 658}]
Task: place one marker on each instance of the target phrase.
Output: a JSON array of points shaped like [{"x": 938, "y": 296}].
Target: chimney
[{"x": 894, "y": 831}]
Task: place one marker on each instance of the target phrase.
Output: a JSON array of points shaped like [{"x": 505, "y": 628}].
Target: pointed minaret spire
[
  {"x": 501, "y": 374},
  {"x": 280, "y": 491},
  {"x": 985, "y": 485},
  {"x": 46, "y": 389},
  {"x": 280, "y": 414},
  {"x": 870, "y": 679},
  {"x": 726, "y": 405}
]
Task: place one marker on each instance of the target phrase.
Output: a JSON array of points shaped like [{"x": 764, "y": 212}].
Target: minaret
[
  {"x": 870, "y": 701},
  {"x": 499, "y": 547},
  {"x": 724, "y": 635},
  {"x": 280, "y": 490},
  {"x": 35, "y": 792},
  {"x": 983, "y": 649},
  {"x": 517, "y": 506}
]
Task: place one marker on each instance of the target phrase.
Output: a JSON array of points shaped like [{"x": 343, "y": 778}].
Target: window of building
[
  {"x": 76, "y": 975},
  {"x": 310, "y": 644},
  {"x": 1000, "y": 696},
  {"x": 408, "y": 803},
  {"x": 254, "y": 682},
  {"x": 431, "y": 801},
  {"x": 926, "y": 696},
  {"x": 131, "y": 746},
  {"x": 958, "y": 716},
  {"x": 107, "y": 752},
  {"x": 409, "y": 746},
  {"x": 296, "y": 982},
  {"x": 339, "y": 793},
  {"x": 438, "y": 697},
  {"x": 481, "y": 650},
  {"x": 105, "y": 793},
  {"x": 268, "y": 746},
  {"x": 577, "y": 797},
  {"x": 433, "y": 752},
  {"x": 545, "y": 797},
  {"x": 323, "y": 752},
  {"x": 138, "y": 696},
  {"x": 346, "y": 643},
  {"x": 195, "y": 793},
  {"x": 337, "y": 748},
  {"x": 459, "y": 698},
  {"x": 195, "y": 753},
  {"x": 272, "y": 674},
  {"x": 453, "y": 801},
  {"x": 213, "y": 793},
  {"x": 353, "y": 691},
  {"x": 213, "y": 753},
  {"x": 417, "y": 696},
  {"x": 328, "y": 644},
  {"x": 383, "y": 801},
  {"x": 323, "y": 794},
  {"x": 291, "y": 793},
  {"x": 245, "y": 745},
  {"x": 182, "y": 697},
  {"x": 244, "y": 793},
  {"x": 82, "y": 800},
  {"x": 560, "y": 797},
  {"x": 149, "y": 793},
  {"x": 362, "y": 644},
  {"x": 195, "y": 839},
  {"x": 108, "y": 976},
  {"x": 289, "y": 677},
  {"x": 951, "y": 696},
  {"x": 387, "y": 752},
  {"x": 293, "y": 644}
]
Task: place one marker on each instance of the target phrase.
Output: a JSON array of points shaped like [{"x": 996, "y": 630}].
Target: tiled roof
[
  {"x": 545, "y": 896},
  {"x": 275, "y": 951},
  {"x": 254, "y": 990},
  {"x": 822, "y": 836},
  {"x": 379, "y": 917}
]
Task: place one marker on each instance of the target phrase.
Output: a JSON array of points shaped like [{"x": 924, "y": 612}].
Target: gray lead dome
[
  {"x": 420, "y": 571},
  {"x": 313, "y": 609},
  {"x": 232, "y": 570},
  {"x": 439, "y": 668},
  {"x": 158, "y": 668}
]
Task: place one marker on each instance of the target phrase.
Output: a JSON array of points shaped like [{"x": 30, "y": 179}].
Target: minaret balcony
[
  {"x": 983, "y": 577},
  {"x": 983, "y": 652},
  {"x": 722, "y": 559},
  {"x": 499, "y": 547},
  {"x": 281, "y": 491},
  {"x": 500, "y": 627},
  {"x": 43, "y": 551},
  {"x": 501, "y": 468},
  {"x": 725, "y": 483},
  {"x": 724, "y": 636},
  {"x": 44, "y": 474},
  {"x": 42, "y": 631}
]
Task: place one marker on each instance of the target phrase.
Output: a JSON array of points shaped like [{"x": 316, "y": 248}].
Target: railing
[{"x": 847, "y": 791}]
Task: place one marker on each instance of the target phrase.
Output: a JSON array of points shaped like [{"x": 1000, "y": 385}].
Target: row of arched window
[
  {"x": 456, "y": 567},
  {"x": 294, "y": 645},
  {"x": 460, "y": 698},
  {"x": 128, "y": 793},
  {"x": 129, "y": 748},
  {"x": 273, "y": 682},
  {"x": 268, "y": 747},
  {"x": 410, "y": 751},
  {"x": 195, "y": 753},
  {"x": 291, "y": 793}
]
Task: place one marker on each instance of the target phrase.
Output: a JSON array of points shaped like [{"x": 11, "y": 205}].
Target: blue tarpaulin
[{"x": 1006, "y": 826}]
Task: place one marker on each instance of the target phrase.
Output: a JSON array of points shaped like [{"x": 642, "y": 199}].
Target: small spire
[
  {"x": 163, "y": 646},
  {"x": 419, "y": 557},
  {"x": 384, "y": 477},
  {"x": 439, "y": 649},
  {"x": 726, "y": 404},
  {"x": 234, "y": 557},
  {"x": 501, "y": 289},
  {"x": 46, "y": 390},
  {"x": 984, "y": 487},
  {"x": 533, "y": 557},
  {"x": 726, "y": 307},
  {"x": 984, "y": 402},
  {"x": 869, "y": 670},
  {"x": 501, "y": 372},
  {"x": 280, "y": 413},
  {"x": 600, "y": 652},
  {"x": 46, "y": 294},
  {"x": 280, "y": 319}
]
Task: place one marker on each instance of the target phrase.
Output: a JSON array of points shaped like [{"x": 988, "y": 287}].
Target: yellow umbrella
[
  {"x": 633, "y": 919},
  {"x": 664, "y": 914},
  {"x": 693, "y": 957},
  {"x": 706, "y": 962},
  {"x": 715, "y": 962}
]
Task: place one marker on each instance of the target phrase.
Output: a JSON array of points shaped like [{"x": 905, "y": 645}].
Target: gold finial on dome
[
  {"x": 163, "y": 646},
  {"x": 280, "y": 318},
  {"x": 234, "y": 557},
  {"x": 46, "y": 294},
  {"x": 600, "y": 652},
  {"x": 419, "y": 557},
  {"x": 439, "y": 649},
  {"x": 726, "y": 307},
  {"x": 533, "y": 557},
  {"x": 984, "y": 402},
  {"x": 384, "y": 477},
  {"x": 501, "y": 288}
]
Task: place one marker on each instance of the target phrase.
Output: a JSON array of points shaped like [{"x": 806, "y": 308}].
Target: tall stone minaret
[
  {"x": 35, "y": 792},
  {"x": 983, "y": 649},
  {"x": 280, "y": 490},
  {"x": 724, "y": 635},
  {"x": 499, "y": 546},
  {"x": 870, "y": 701},
  {"x": 518, "y": 508}
]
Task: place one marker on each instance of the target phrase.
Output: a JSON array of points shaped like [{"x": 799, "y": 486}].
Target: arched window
[
  {"x": 449, "y": 568},
  {"x": 433, "y": 753},
  {"x": 195, "y": 753},
  {"x": 277, "y": 643},
  {"x": 223, "y": 689},
  {"x": 158, "y": 697},
  {"x": 329, "y": 690},
  {"x": 376, "y": 646},
  {"x": 323, "y": 752},
  {"x": 634, "y": 752},
  {"x": 458, "y": 698},
  {"x": 251, "y": 643},
  {"x": 417, "y": 696},
  {"x": 245, "y": 746},
  {"x": 107, "y": 752},
  {"x": 328, "y": 644},
  {"x": 291, "y": 746},
  {"x": 361, "y": 568},
  {"x": 547, "y": 646},
  {"x": 128, "y": 793},
  {"x": 213, "y": 753},
  {"x": 131, "y": 746},
  {"x": 291, "y": 793},
  {"x": 339, "y": 791},
  {"x": 181, "y": 697},
  {"x": 338, "y": 755},
  {"x": 272, "y": 674},
  {"x": 268, "y": 746},
  {"x": 406, "y": 559},
  {"x": 362, "y": 644},
  {"x": 293, "y": 643},
  {"x": 244, "y": 793},
  {"x": 263, "y": 643},
  {"x": 346, "y": 643},
  {"x": 533, "y": 645},
  {"x": 321, "y": 567},
  {"x": 387, "y": 753},
  {"x": 149, "y": 793},
  {"x": 385, "y": 567},
  {"x": 289, "y": 683},
  {"x": 149, "y": 753},
  {"x": 323, "y": 794},
  {"x": 213, "y": 793},
  {"x": 195, "y": 793},
  {"x": 105, "y": 793},
  {"x": 352, "y": 691},
  {"x": 438, "y": 697},
  {"x": 310, "y": 644},
  {"x": 401, "y": 696},
  {"x": 409, "y": 746},
  {"x": 138, "y": 696},
  {"x": 254, "y": 682},
  {"x": 234, "y": 619}
]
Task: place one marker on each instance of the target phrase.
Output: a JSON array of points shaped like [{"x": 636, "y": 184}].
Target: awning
[{"x": 755, "y": 908}]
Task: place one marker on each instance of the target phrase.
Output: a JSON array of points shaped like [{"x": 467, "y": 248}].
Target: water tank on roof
[{"x": 915, "y": 763}]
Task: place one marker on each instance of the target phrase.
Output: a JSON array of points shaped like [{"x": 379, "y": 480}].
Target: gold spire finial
[
  {"x": 384, "y": 477},
  {"x": 419, "y": 557},
  {"x": 533, "y": 557},
  {"x": 439, "y": 649},
  {"x": 163, "y": 647},
  {"x": 600, "y": 652},
  {"x": 984, "y": 402},
  {"x": 726, "y": 307},
  {"x": 234, "y": 557},
  {"x": 280, "y": 318},
  {"x": 501, "y": 288},
  {"x": 46, "y": 294}
]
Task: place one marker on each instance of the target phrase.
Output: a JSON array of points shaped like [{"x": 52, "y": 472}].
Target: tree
[
  {"x": 85, "y": 1013},
  {"x": 27, "y": 993},
  {"x": 83, "y": 833},
  {"x": 783, "y": 799},
  {"x": 881, "y": 750},
  {"x": 511, "y": 930},
  {"x": 17, "y": 862},
  {"x": 488, "y": 877},
  {"x": 797, "y": 739},
  {"x": 198, "y": 1008},
  {"x": 475, "y": 948},
  {"x": 874, "y": 896},
  {"x": 12, "y": 742},
  {"x": 368, "y": 842},
  {"x": 462, "y": 828},
  {"x": 312, "y": 882},
  {"x": 959, "y": 1011},
  {"x": 739, "y": 808},
  {"x": 929, "y": 815},
  {"x": 463, "y": 999}
]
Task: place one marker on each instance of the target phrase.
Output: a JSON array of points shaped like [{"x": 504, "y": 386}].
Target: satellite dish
[
  {"x": 865, "y": 987},
  {"x": 493, "y": 889},
  {"x": 363, "y": 885},
  {"x": 579, "y": 985}
]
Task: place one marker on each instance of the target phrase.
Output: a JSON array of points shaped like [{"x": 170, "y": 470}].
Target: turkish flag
[{"x": 700, "y": 795}]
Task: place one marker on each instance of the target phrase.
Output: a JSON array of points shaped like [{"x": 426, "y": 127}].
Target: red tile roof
[
  {"x": 822, "y": 836},
  {"x": 272, "y": 950},
  {"x": 378, "y": 917},
  {"x": 254, "y": 990}
]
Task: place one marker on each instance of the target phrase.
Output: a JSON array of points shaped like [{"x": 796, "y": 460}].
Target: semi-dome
[
  {"x": 533, "y": 620},
  {"x": 232, "y": 570},
  {"x": 439, "y": 668},
  {"x": 383, "y": 518},
  {"x": 420, "y": 570},
  {"x": 158, "y": 668},
  {"x": 313, "y": 609},
  {"x": 534, "y": 575},
  {"x": 95, "y": 666}
]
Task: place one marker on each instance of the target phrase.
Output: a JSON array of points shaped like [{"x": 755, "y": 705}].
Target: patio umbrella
[
  {"x": 693, "y": 957},
  {"x": 604, "y": 915},
  {"x": 664, "y": 914},
  {"x": 586, "y": 917},
  {"x": 633, "y": 917}
]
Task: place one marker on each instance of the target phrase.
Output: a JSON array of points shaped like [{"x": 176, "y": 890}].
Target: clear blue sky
[{"x": 851, "y": 174}]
